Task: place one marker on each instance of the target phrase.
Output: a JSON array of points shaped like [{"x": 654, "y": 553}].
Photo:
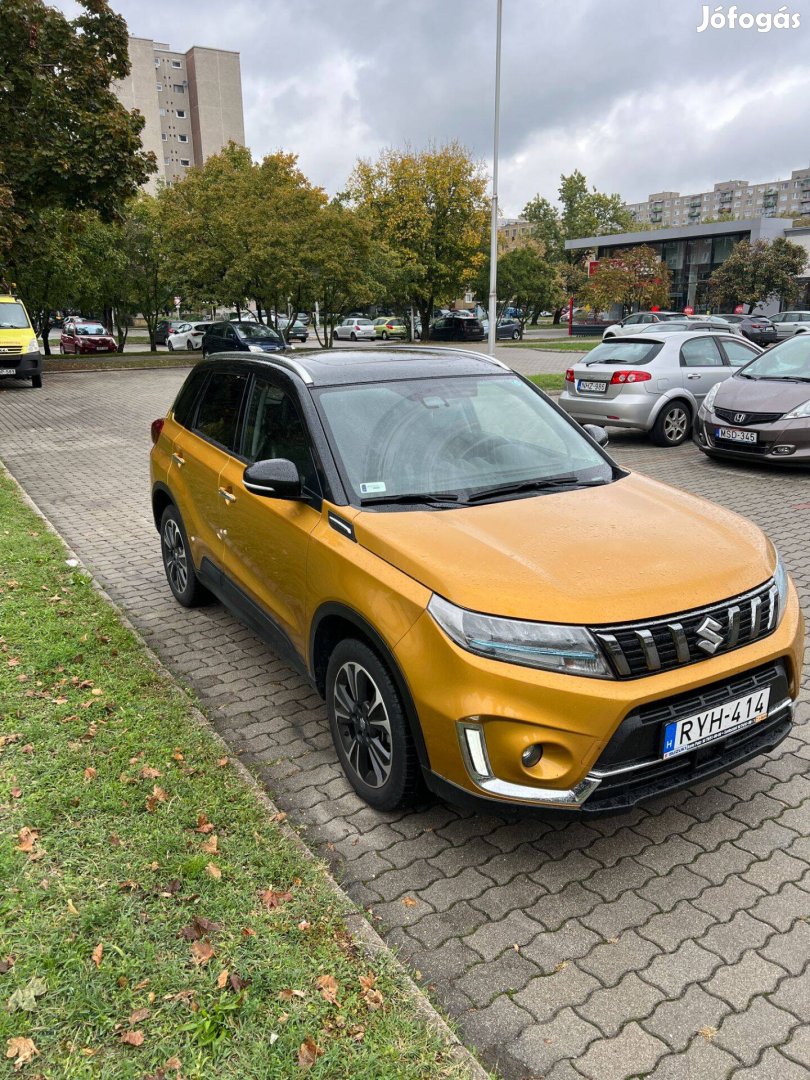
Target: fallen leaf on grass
[
  {"x": 236, "y": 982},
  {"x": 327, "y": 984},
  {"x": 22, "y": 1050},
  {"x": 97, "y": 954},
  {"x": 210, "y": 846},
  {"x": 222, "y": 978},
  {"x": 203, "y": 824},
  {"x": 13, "y": 737},
  {"x": 308, "y": 1053},
  {"x": 272, "y": 899},
  {"x": 197, "y": 928},
  {"x": 222, "y": 762},
  {"x": 148, "y": 773},
  {"x": 6, "y": 964},
  {"x": 96, "y": 691},
  {"x": 373, "y": 998},
  {"x": 202, "y": 952},
  {"x": 214, "y": 871},
  {"x": 24, "y": 997},
  {"x": 138, "y": 1017},
  {"x": 305, "y": 926},
  {"x": 90, "y": 773},
  {"x": 27, "y": 837},
  {"x": 15, "y": 792},
  {"x": 132, "y": 1038},
  {"x": 288, "y": 995},
  {"x": 158, "y": 796}
]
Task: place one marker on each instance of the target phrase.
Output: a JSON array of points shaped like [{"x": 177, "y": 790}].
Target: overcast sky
[{"x": 626, "y": 90}]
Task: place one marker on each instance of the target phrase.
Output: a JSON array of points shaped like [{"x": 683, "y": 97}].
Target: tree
[
  {"x": 67, "y": 140},
  {"x": 147, "y": 274},
  {"x": 526, "y": 278},
  {"x": 758, "y": 272},
  {"x": 430, "y": 207},
  {"x": 49, "y": 264},
  {"x": 633, "y": 277}
]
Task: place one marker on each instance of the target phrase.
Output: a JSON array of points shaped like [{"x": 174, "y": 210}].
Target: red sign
[
  {"x": 739, "y": 309},
  {"x": 593, "y": 266},
  {"x": 689, "y": 311},
  {"x": 655, "y": 307}
]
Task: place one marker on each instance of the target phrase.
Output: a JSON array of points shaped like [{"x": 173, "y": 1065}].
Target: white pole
[{"x": 493, "y": 240}]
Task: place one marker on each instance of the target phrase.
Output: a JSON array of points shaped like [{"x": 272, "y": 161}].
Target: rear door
[{"x": 702, "y": 365}]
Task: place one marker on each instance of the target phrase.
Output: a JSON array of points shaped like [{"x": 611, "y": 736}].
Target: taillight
[
  {"x": 389, "y": 326},
  {"x": 630, "y": 377},
  {"x": 569, "y": 375},
  {"x": 157, "y": 427}
]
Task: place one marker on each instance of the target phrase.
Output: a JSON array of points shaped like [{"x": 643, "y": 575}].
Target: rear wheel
[
  {"x": 169, "y": 346},
  {"x": 384, "y": 335},
  {"x": 672, "y": 425},
  {"x": 515, "y": 335},
  {"x": 177, "y": 561},
  {"x": 369, "y": 727},
  {"x": 353, "y": 336}
]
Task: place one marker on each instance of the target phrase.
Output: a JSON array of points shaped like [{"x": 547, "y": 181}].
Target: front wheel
[
  {"x": 672, "y": 425},
  {"x": 369, "y": 727},
  {"x": 515, "y": 335},
  {"x": 177, "y": 562}
]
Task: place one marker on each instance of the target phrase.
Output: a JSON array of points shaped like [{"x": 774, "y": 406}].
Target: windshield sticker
[{"x": 372, "y": 489}]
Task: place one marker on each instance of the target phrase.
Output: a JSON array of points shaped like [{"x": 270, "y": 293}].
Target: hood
[
  {"x": 633, "y": 549},
  {"x": 761, "y": 395}
]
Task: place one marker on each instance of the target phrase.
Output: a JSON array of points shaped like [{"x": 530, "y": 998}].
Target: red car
[{"x": 84, "y": 336}]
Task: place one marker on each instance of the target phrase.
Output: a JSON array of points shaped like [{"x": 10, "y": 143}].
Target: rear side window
[
  {"x": 701, "y": 352},
  {"x": 187, "y": 398},
  {"x": 218, "y": 412}
]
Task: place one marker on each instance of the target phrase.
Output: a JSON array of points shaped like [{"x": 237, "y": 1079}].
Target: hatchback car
[
  {"x": 788, "y": 323},
  {"x": 241, "y": 337},
  {"x": 756, "y": 328},
  {"x": 763, "y": 412},
  {"x": 388, "y": 326},
  {"x": 398, "y": 522},
  {"x": 355, "y": 328},
  {"x": 457, "y": 327},
  {"x": 20, "y": 357},
  {"x": 188, "y": 336},
  {"x": 84, "y": 336},
  {"x": 508, "y": 329},
  {"x": 698, "y": 323},
  {"x": 655, "y": 382}
]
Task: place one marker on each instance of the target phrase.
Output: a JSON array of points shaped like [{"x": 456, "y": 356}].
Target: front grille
[
  {"x": 643, "y": 648},
  {"x": 748, "y": 417},
  {"x": 10, "y": 350}
]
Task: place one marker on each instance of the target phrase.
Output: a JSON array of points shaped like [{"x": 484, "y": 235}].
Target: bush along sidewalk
[{"x": 155, "y": 920}]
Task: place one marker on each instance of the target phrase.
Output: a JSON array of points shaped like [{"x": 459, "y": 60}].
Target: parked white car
[
  {"x": 355, "y": 330},
  {"x": 187, "y": 336},
  {"x": 788, "y": 323},
  {"x": 632, "y": 323}
]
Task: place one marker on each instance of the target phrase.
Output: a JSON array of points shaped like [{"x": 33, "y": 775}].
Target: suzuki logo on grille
[
  {"x": 739, "y": 417},
  {"x": 709, "y": 637}
]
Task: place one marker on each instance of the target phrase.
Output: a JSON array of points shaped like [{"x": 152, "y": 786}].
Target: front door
[{"x": 266, "y": 540}]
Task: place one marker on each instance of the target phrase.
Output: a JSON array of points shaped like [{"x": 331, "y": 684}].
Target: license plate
[
  {"x": 592, "y": 386},
  {"x": 681, "y": 736},
  {"x": 8, "y": 371},
  {"x": 735, "y": 435}
]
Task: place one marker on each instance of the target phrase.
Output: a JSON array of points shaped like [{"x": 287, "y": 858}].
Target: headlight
[
  {"x": 800, "y": 412},
  {"x": 780, "y": 580},
  {"x": 33, "y": 345},
  {"x": 255, "y": 348},
  {"x": 708, "y": 401},
  {"x": 567, "y": 649}
]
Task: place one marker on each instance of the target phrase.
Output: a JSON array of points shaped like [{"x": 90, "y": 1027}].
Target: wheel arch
[
  {"x": 334, "y": 622},
  {"x": 675, "y": 394},
  {"x": 161, "y": 498}
]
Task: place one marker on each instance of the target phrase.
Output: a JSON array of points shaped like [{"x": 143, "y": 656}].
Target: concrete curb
[{"x": 360, "y": 930}]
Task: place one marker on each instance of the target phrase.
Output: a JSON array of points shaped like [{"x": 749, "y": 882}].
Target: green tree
[
  {"x": 758, "y": 272},
  {"x": 67, "y": 140},
  {"x": 147, "y": 273},
  {"x": 430, "y": 207},
  {"x": 633, "y": 277},
  {"x": 49, "y": 263},
  {"x": 526, "y": 279}
]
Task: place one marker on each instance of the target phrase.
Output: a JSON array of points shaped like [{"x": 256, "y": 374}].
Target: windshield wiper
[
  {"x": 431, "y": 497},
  {"x": 567, "y": 480},
  {"x": 784, "y": 378}
]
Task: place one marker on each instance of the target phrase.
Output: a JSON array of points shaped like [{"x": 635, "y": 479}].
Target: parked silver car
[
  {"x": 703, "y": 323},
  {"x": 788, "y": 323},
  {"x": 653, "y": 382},
  {"x": 355, "y": 329}
]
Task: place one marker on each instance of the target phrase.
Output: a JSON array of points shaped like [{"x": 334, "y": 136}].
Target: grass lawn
[
  {"x": 568, "y": 345},
  {"x": 155, "y": 921},
  {"x": 548, "y": 382}
]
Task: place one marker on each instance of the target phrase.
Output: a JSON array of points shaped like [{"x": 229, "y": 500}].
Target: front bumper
[
  {"x": 511, "y": 708},
  {"x": 791, "y": 435},
  {"x": 22, "y": 365},
  {"x": 632, "y": 409}
]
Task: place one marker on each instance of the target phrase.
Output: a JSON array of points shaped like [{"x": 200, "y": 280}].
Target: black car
[
  {"x": 456, "y": 328},
  {"x": 241, "y": 337},
  {"x": 755, "y": 327}
]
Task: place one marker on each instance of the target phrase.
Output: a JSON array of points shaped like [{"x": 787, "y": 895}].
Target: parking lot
[{"x": 669, "y": 942}]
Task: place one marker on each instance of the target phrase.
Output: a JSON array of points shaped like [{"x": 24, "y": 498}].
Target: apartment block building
[
  {"x": 191, "y": 102},
  {"x": 735, "y": 200},
  {"x": 513, "y": 232}
]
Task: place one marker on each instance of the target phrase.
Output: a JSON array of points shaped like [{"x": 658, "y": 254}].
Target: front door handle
[
  {"x": 694, "y": 376},
  {"x": 178, "y": 459},
  {"x": 228, "y": 496}
]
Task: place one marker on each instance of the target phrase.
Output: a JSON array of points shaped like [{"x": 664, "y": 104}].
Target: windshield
[
  {"x": 623, "y": 352},
  {"x": 13, "y": 317},
  {"x": 256, "y": 332},
  {"x": 790, "y": 360},
  {"x": 91, "y": 330},
  {"x": 453, "y": 436}
]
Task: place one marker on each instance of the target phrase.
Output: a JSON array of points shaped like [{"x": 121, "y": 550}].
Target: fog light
[
  {"x": 784, "y": 448},
  {"x": 531, "y": 755}
]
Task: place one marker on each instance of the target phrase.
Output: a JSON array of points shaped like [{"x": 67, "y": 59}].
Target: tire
[
  {"x": 177, "y": 561},
  {"x": 515, "y": 335},
  {"x": 384, "y": 335},
  {"x": 335, "y": 335},
  {"x": 36, "y": 382},
  {"x": 353, "y": 336},
  {"x": 204, "y": 354},
  {"x": 379, "y": 758},
  {"x": 673, "y": 424},
  {"x": 169, "y": 346},
  {"x": 189, "y": 346}
]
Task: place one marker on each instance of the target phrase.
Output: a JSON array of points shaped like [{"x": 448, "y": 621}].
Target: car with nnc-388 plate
[{"x": 399, "y": 523}]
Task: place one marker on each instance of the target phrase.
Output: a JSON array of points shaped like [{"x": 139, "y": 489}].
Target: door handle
[
  {"x": 178, "y": 459},
  {"x": 694, "y": 376},
  {"x": 228, "y": 496}
]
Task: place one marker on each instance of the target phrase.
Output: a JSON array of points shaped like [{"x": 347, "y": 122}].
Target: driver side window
[{"x": 274, "y": 429}]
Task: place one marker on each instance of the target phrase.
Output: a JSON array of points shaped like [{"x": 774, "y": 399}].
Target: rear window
[
  {"x": 623, "y": 352},
  {"x": 13, "y": 317}
]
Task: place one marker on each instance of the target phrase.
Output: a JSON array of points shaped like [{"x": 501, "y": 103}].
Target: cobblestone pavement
[{"x": 671, "y": 942}]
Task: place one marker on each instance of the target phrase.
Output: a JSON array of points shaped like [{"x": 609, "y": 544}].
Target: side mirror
[
  {"x": 597, "y": 433},
  {"x": 274, "y": 478}
]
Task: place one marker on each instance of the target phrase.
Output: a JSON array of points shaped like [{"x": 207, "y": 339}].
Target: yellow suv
[
  {"x": 485, "y": 600},
  {"x": 20, "y": 357}
]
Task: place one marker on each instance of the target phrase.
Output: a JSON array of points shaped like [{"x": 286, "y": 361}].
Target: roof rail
[
  {"x": 271, "y": 358},
  {"x": 486, "y": 357}
]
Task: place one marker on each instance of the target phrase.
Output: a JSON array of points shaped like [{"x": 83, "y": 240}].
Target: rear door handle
[
  {"x": 694, "y": 376},
  {"x": 228, "y": 496},
  {"x": 178, "y": 459}
]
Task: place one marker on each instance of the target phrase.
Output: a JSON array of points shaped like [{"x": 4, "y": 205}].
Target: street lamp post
[{"x": 493, "y": 240}]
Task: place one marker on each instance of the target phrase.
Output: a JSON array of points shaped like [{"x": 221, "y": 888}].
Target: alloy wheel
[
  {"x": 676, "y": 424},
  {"x": 174, "y": 556},
  {"x": 363, "y": 724}
]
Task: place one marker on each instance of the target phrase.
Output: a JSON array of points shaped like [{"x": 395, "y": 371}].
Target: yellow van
[{"x": 20, "y": 357}]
